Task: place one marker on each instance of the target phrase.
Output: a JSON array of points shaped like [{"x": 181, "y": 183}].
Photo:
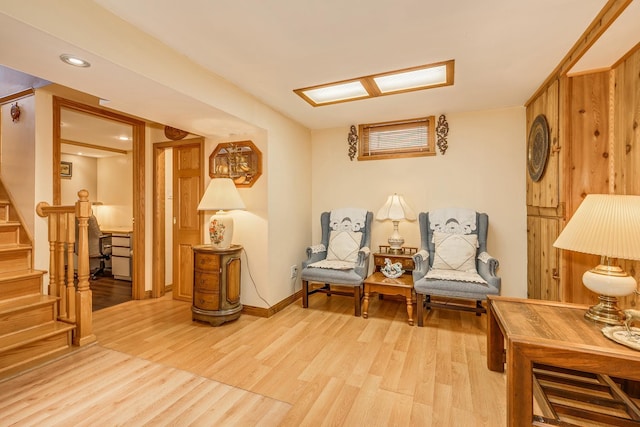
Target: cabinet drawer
[
  {"x": 406, "y": 261},
  {"x": 120, "y": 241},
  {"x": 206, "y": 282},
  {"x": 207, "y": 262},
  {"x": 207, "y": 300},
  {"x": 119, "y": 251}
]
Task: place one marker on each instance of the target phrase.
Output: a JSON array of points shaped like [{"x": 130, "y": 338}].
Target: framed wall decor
[
  {"x": 241, "y": 161},
  {"x": 66, "y": 169},
  {"x": 538, "y": 147}
]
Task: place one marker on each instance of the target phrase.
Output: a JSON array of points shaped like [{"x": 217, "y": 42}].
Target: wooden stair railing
[{"x": 75, "y": 303}]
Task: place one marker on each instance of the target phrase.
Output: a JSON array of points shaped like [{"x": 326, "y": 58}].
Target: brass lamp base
[{"x": 606, "y": 311}]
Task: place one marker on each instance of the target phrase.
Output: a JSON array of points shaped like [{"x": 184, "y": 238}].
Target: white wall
[
  {"x": 115, "y": 191},
  {"x": 18, "y": 158},
  {"x": 482, "y": 169},
  {"x": 84, "y": 176}
]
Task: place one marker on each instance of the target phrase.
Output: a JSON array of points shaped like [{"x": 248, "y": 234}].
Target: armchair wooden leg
[
  {"x": 357, "y": 296},
  {"x": 305, "y": 293},
  {"x": 327, "y": 286},
  {"x": 420, "y": 309}
]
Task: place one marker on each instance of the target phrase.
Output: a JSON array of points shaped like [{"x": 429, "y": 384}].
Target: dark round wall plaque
[{"x": 538, "y": 147}]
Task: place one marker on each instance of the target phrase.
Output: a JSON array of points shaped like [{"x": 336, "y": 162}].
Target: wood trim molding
[
  {"x": 138, "y": 134},
  {"x": 16, "y": 96},
  {"x": 93, "y": 146},
  {"x": 268, "y": 312},
  {"x": 597, "y": 28}
]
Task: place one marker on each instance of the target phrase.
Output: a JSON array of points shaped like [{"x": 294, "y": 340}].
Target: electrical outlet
[{"x": 294, "y": 271}]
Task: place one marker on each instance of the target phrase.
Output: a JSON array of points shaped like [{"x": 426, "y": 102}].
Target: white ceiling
[{"x": 503, "y": 49}]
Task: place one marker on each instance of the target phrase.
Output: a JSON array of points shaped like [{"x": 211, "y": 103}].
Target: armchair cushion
[
  {"x": 455, "y": 275},
  {"x": 455, "y": 252},
  {"x": 344, "y": 245}
]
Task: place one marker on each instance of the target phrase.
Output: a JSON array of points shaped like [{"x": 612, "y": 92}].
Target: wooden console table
[{"x": 556, "y": 337}]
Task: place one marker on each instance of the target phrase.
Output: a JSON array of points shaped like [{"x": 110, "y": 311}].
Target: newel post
[{"x": 84, "y": 317}]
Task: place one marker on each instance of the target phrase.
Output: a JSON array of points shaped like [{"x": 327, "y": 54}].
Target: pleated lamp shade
[
  {"x": 606, "y": 225},
  {"x": 396, "y": 209}
]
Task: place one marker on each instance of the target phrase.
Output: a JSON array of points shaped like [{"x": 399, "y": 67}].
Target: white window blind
[{"x": 405, "y": 138}]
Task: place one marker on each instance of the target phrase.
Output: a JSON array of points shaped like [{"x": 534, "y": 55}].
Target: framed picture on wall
[{"x": 66, "y": 169}]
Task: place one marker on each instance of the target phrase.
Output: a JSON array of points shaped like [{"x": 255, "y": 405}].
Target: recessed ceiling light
[
  {"x": 337, "y": 92},
  {"x": 405, "y": 80},
  {"x": 412, "y": 79},
  {"x": 74, "y": 60},
  {"x": 124, "y": 138}
]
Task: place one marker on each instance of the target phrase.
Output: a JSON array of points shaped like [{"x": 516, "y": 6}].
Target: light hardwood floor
[{"x": 317, "y": 366}]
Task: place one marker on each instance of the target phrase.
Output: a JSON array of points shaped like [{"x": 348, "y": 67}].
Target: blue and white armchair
[
  {"x": 342, "y": 257},
  {"x": 453, "y": 262}
]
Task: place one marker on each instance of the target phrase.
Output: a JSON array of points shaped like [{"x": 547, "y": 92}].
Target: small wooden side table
[{"x": 383, "y": 285}]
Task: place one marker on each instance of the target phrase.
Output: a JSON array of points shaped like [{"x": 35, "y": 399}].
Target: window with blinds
[{"x": 403, "y": 138}]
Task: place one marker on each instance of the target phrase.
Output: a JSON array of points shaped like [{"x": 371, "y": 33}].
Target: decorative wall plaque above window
[{"x": 241, "y": 161}]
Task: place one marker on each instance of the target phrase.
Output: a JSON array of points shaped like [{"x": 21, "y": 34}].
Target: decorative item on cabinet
[
  {"x": 216, "y": 284},
  {"x": 538, "y": 147}
]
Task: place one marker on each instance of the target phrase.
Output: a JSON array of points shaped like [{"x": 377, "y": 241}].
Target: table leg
[
  {"x": 365, "y": 305},
  {"x": 410, "y": 308},
  {"x": 495, "y": 343},
  {"x": 519, "y": 386}
]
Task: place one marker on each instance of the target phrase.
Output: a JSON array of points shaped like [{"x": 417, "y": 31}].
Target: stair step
[
  {"x": 15, "y": 257},
  {"x": 25, "y": 312},
  {"x": 5, "y": 205},
  {"x": 10, "y": 233},
  {"x": 24, "y": 348},
  {"x": 15, "y": 284}
]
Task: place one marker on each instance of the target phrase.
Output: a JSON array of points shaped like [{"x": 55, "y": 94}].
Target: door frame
[
  {"x": 159, "y": 210},
  {"x": 138, "y": 135}
]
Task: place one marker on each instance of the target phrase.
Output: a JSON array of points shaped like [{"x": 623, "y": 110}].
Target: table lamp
[
  {"x": 607, "y": 225},
  {"x": 221, "y": 195},
  {"x": 395, "y": 209}
]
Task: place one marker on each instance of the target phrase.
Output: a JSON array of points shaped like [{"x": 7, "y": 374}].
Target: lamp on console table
[
  {"x": 607, "y": 225},
  {"x": 221, "y": 195},
  {"x": 396, "y": 209}
]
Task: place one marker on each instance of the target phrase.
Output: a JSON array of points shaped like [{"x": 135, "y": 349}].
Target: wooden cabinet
[
  {"x": 216, "y": 284},
  {"x": 406, "y": 258}
]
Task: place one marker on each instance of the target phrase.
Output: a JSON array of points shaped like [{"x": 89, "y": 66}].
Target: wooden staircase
[{"x": 30, "y": 332}]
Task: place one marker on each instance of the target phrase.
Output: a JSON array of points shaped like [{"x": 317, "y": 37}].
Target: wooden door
[{"x": 187, "y": 221}]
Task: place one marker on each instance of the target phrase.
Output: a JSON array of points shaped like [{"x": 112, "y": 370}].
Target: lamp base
[
  {"x": 221, "y": 230},
  {"x": 395, "y": 240},
  {"x": 606, "y": 311}
]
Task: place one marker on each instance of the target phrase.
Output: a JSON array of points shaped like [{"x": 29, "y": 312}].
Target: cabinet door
[
  {"x": 233, "y": 281},
  {"x": 543, "y": 274}
]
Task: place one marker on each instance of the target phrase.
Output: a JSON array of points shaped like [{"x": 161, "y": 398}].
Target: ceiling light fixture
[
  {"x": 399, "y": 81},
  {"x": 124, "y": 138},
  {"x": 74, "y": 60}
]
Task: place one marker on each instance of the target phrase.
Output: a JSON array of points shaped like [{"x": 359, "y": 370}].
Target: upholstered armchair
[
  {"x": 453, "y": 263},
  {"x": 342, "y": 257}
]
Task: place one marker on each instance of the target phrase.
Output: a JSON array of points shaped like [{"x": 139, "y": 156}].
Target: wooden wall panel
[
  {"x": 627, "y": 143},
  {"x": 627, "y": 125},
  {"x": 588, "y": 165},
  {"x": 544, "y": 193}
]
